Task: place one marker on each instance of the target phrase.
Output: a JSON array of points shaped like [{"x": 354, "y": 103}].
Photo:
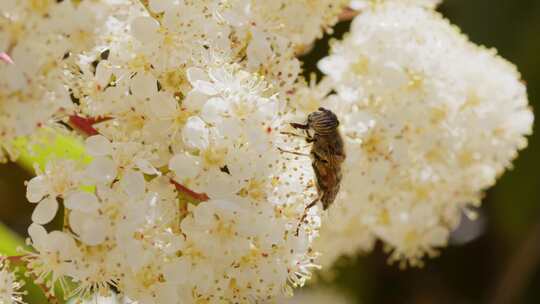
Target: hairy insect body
[{"x": 327, "y": 153}]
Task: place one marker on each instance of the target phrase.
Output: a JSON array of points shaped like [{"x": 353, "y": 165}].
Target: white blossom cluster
[
  {"x": 430, "y": 121},
  {"x": 39, "y": 36},
  {"x": 10, "y": 286},
  {"x": 188, "y": 196}
]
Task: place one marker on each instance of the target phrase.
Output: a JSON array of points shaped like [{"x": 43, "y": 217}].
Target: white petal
[
  {"x": 103, "y": 73},
  {"x": 259, "y": 49},
  {"x": 268, "y": 109},
  {"x": 63, "y": 243},
  {"x": 36, "y": 189},
  {"x": 167, "y": 293},
  {"x": 196, "y": 74},
  {"x": 133, "y": 183},
  {"x": 91, "y": 229},
  {"x": 334, "y": 66},
  {"x": 146, "y": 167},
  {"x": 176, "y": 271},
  {"x": 214, "y": 109},
  {"x": 95, "y": 232},
  {"x": 145, "y": 29},
  {"x": 184, "y": 166},
  {"x": 205, "y": 87},
  {"x": 76, "y": 219},
  {"x": 143, "y": 85},
  {"x": 194, "y": 101},
  {"x": 195, "y": 133},
  {"x": 82, "y": 201},
  {"x": 45, "y": 211},
  {"x": 102, "y": 169},
  {"x": 159, "y": 6},
  {"x": 98, "y": 145},
  {"x": 38, "y": 234},
  {"x": 358, "y": 5},
  {"x": 164, "y": 105}
]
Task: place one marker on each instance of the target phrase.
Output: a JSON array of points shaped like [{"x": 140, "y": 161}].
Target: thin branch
[
  {"x": 16, "y": 259},
  {"x": 519, "y": 269},
  {"x": 200, "y": 197},
  {"x": 85, "y": 125}
]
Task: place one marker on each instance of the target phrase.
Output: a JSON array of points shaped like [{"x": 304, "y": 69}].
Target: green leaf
[
  {"x": 9, "y": 241},
  {"x": 46, "y": 145}
]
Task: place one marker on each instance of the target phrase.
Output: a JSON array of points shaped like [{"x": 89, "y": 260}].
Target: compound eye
[{"x": 310, "y": 118}]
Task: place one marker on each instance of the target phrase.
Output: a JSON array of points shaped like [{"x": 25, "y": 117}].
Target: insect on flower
[{"x": 327, "y": 154}]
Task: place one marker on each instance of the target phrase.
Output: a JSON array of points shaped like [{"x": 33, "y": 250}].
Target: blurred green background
[{"x": 495, "y": 260}]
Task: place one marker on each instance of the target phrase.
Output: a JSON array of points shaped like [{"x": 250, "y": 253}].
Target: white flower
[
  {"x": 300, "y": 22},
  {"x": 10, "y": 286},
  {"x": 54, "y": 258},
  {"x": 58, "y": 179},
  {"x": 115, "y": 159},
  {"x": 430, "y": 120}
]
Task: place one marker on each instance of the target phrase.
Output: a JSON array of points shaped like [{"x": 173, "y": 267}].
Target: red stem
[
  {"x": 86, "y": 124},
  {"x": 15, "y": 259},
  {"x": 201, "y": 197}
]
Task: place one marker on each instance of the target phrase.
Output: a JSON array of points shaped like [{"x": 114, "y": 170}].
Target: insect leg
[
  {"x": 305, "y": 214},
  {"x": 309, "y": 138},
  {"x": 293, "y": 152},
  {"x": 305, "y": 128}
]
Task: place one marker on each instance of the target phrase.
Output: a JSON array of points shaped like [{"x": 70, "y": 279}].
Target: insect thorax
[{"x": 323, "y": 122}]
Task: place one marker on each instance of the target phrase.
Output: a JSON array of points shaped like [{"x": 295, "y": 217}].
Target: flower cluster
[
  {"x": 10, "y": 286},
  {"x": 430, "y": 121},
  {"x": 189, "y": 193},
  {"x": 236, "y": 221},
  {"x": 40, "y": 36},
  {"x": 187, "y": 197}
]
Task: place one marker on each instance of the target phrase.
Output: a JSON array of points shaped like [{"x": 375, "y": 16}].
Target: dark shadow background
[{"x": 500, "y": 266}]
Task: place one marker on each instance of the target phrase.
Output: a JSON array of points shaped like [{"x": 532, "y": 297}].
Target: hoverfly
[{"x": 327, "y": 155}]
